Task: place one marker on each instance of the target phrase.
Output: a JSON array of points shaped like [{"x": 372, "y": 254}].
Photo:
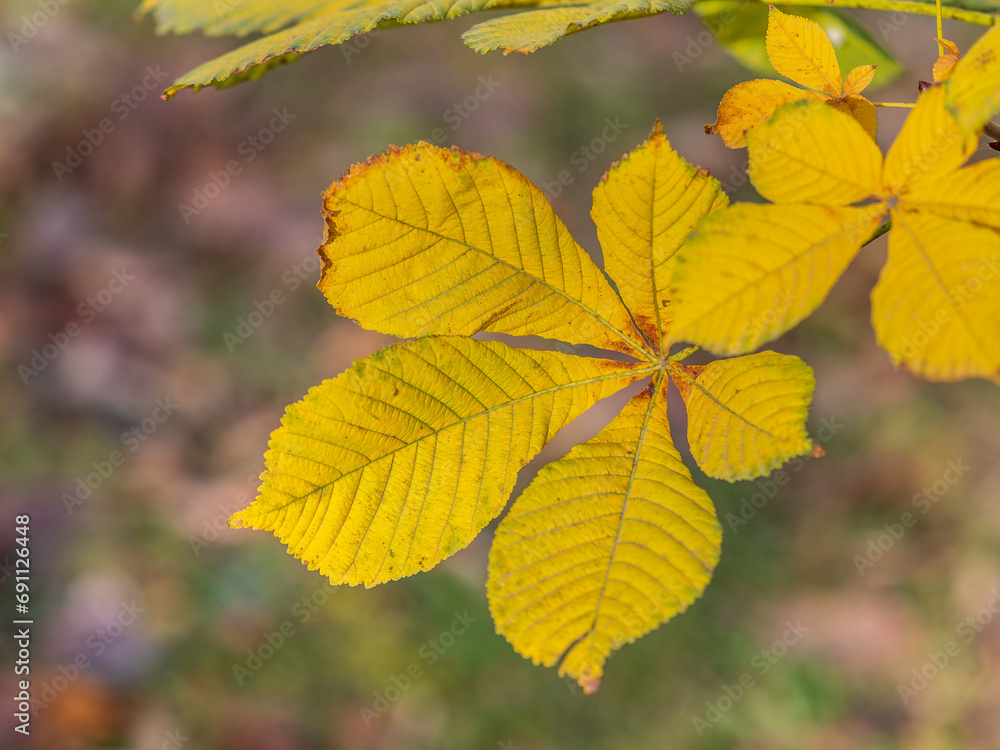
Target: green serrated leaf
[
  {"x": 532, "y": 30},
  {"x": 292, "y": 29}
]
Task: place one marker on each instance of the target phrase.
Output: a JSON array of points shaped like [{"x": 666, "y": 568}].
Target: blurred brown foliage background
[{"x": 115, "y": 302}]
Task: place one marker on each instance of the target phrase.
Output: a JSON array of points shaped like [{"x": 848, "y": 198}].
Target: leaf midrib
[
  {"x": 591, "y": 629},
  {"x": 639, "y": 372},
  {"x": 724, "y": 407},
  {"x": 943, "y": 288}
]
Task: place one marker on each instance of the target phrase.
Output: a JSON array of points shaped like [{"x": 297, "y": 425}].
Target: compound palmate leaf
[
  {"x": 936, "y": 307},
  {"x": 394, "y": 465}
]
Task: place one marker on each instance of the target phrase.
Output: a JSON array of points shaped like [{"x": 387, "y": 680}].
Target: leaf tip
[
  {"x": 589, "y": 684},
  {"x": 238, "y": 520}
]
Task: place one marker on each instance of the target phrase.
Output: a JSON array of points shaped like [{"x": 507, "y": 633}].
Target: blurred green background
[{"x": 197, "y": 636}]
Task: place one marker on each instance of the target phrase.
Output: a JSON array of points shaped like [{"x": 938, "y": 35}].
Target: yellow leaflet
[
  {"x": 973, "y": 88},
  {"x": 603, "y": 546},
  {"x": 935, "y": 307},
  {"x": 751, "y": 272},
  {"x": 644, "y": 209},
  {"x": 399, "y": 462},
  {"x": 424, "y": 240},
  {"x": 830, "y": 162},
  {"x": 748, "y": 104},
  {"x": 799, "y": 49},
  {"x": 858, "y": 79},
  {"x": 945, "y": 64},
  {"x": 970, "y": 194},
  {"x": 929, "y": 145},
  {"x": 746, "y": 416}
]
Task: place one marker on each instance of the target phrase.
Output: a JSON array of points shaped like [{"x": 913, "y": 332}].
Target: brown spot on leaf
[
  {"x": 684, "y": 383},
  {"x": 647, "y": 325},
  {"x": 497, "y": 315},
  {"x": 985, "y": 58}
]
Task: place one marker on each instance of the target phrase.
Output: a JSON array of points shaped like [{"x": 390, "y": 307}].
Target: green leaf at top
[
  {"x": 299, "y": 26},
  {"x": 528, "y": 32}
]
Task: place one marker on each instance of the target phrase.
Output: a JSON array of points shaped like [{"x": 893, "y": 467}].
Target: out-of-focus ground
[{"x": 155, "y": 626}]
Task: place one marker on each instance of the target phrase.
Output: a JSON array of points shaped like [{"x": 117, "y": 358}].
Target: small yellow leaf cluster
[
  {"x": 936, "y": 307},
  {"x": 798, "y": 49}
]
